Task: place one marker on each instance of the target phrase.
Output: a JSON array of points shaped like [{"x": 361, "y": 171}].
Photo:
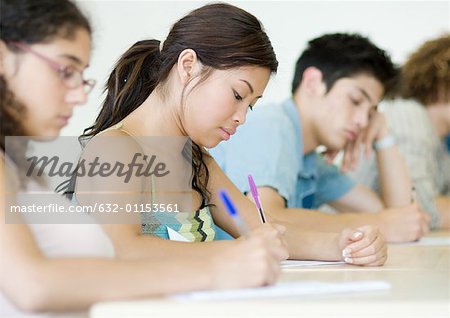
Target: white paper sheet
[
  {"x": 297, "y": 263},
  {"x": 175, "y": 236},
  {"x": 430, "y": 241},
  {"x": 286, "y": 289}
]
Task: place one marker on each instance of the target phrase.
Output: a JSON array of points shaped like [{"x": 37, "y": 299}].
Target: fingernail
[
  {"x": 346, "y": 252},
  {"x": 348, "y": 260},
  {"x": 357, "y": 234}
]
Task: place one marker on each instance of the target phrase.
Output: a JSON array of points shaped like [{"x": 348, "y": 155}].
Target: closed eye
[
  {"x": 237, "y": 96},
  {"x": 355, "y": 102},
  {"x": 240, "y": 99}
]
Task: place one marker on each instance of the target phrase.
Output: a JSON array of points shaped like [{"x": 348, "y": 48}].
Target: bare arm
[
  {"x": 395, "y": 182},
  {"x": 303, "y": 242},
  {"x": 443, "y": 207},
  {"x": 310, "y": 219},
  {"x": 33, "y": 282},
  {"x": 416, "y": 147},
  {"x": 403, "y": 224},
  {"x": 358, "y": 199},
  {"x": 123, "y": 228},
  {"x": 130, "y": 244},
  {"x": 36, "y": 283},
  {"x": 394, "y": 179}
]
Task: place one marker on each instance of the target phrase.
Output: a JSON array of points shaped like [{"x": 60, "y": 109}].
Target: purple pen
[{"x": 256, "y": 197}]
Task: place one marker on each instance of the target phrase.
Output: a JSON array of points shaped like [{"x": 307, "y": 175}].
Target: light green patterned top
[{"x": 194, "y": 226}]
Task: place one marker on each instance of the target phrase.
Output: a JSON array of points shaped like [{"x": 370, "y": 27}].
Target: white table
[{"x": 420, "y": 287}]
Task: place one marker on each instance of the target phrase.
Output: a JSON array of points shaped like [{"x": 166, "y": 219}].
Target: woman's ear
[
  {"x": 312, "y": 82},
  {"x": 188, "y": 65}
]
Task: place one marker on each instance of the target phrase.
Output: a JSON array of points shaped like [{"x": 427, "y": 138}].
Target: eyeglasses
[{"x": 71, "y": 77}]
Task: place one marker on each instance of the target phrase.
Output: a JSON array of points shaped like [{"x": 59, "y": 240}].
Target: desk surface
[{"x": 420, "y": 287}]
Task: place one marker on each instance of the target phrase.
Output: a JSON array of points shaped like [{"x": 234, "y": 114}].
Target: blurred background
[{"x": 396, "y": 26}]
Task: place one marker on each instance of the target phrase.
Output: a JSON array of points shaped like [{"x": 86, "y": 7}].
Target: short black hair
[{"x": 341, "y": 55}]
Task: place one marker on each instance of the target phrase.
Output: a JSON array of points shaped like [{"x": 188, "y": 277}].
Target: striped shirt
[{"x": 425, "y": 154}]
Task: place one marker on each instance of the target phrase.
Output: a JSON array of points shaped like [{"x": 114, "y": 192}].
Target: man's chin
[
  {"x": 336, "y": 147},
  {"x": 45, "y": 137}
]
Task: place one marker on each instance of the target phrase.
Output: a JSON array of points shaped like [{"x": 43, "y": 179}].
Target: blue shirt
[
  {"x": 447, "y": 141},
  {"x": 270, "y": 147}
]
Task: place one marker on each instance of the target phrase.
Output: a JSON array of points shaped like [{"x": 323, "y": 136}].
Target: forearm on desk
[
  {"x": 315, "y": 235},
  {"x": 309, "y": 245},
  {"x": 74, "y": 284},
  {"x": 160, "y": 249},
  {"x": 426, "y": 194},
  {"x": 322, "y": 222}
]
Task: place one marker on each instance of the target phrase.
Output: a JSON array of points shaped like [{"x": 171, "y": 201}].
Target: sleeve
[
  {"x": 366, "y": 173},
  {"x": 332, "y": 184},
  {"x": 416, "y": 139},
  {"x": 420, "y": 168},
  {"x": 443, "y": 175},
  {"x": 265, "y": 148}
]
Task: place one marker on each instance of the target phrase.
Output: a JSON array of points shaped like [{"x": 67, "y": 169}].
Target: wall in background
[{"x": 397, "y": 26}]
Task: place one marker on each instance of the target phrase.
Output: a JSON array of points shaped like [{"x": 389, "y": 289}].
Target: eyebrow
[
  {"x": 365, "y": 94},
  {"x": 249, "y": 85},
  {"x": 73, "y": 59}
]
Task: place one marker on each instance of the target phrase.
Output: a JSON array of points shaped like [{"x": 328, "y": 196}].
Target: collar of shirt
[{"x": 308, "y": 168}]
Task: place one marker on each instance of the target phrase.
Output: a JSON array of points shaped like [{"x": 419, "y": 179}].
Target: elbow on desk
[
  {"x": 31, "y": 299},
  {"x": 31, "y": 293}
]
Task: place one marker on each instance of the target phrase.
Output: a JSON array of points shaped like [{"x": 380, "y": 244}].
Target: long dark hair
[
  {"x": 223, "y": 37},
  {"x": 30, "y": 22}
]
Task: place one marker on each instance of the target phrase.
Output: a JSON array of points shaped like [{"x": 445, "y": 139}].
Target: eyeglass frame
[{"x": 88, "y": 84}]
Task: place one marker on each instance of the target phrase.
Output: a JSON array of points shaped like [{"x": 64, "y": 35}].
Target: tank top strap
[
  {"x": 118, "y": 126},
  {"x": 153, "y": 191}
]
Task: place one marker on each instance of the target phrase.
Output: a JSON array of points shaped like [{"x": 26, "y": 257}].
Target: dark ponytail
[{"x": 133, "y": 78}]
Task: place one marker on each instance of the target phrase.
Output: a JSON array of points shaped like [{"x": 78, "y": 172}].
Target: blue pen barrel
[{"x": 232, "y": 211}]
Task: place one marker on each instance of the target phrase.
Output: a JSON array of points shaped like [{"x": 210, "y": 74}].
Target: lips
[
  {"x": 228, "y": 132},
  {"x": 350, "y": 134},
  {"x": 64, "y": 120}
]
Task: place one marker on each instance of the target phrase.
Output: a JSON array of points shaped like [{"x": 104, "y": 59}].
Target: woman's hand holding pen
[
  {"x": 254, "y": 258},
  {"x": 273, "y": 235},
  {"x": 363, "y": 246},
  {"x": 250, "y": 261}
]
